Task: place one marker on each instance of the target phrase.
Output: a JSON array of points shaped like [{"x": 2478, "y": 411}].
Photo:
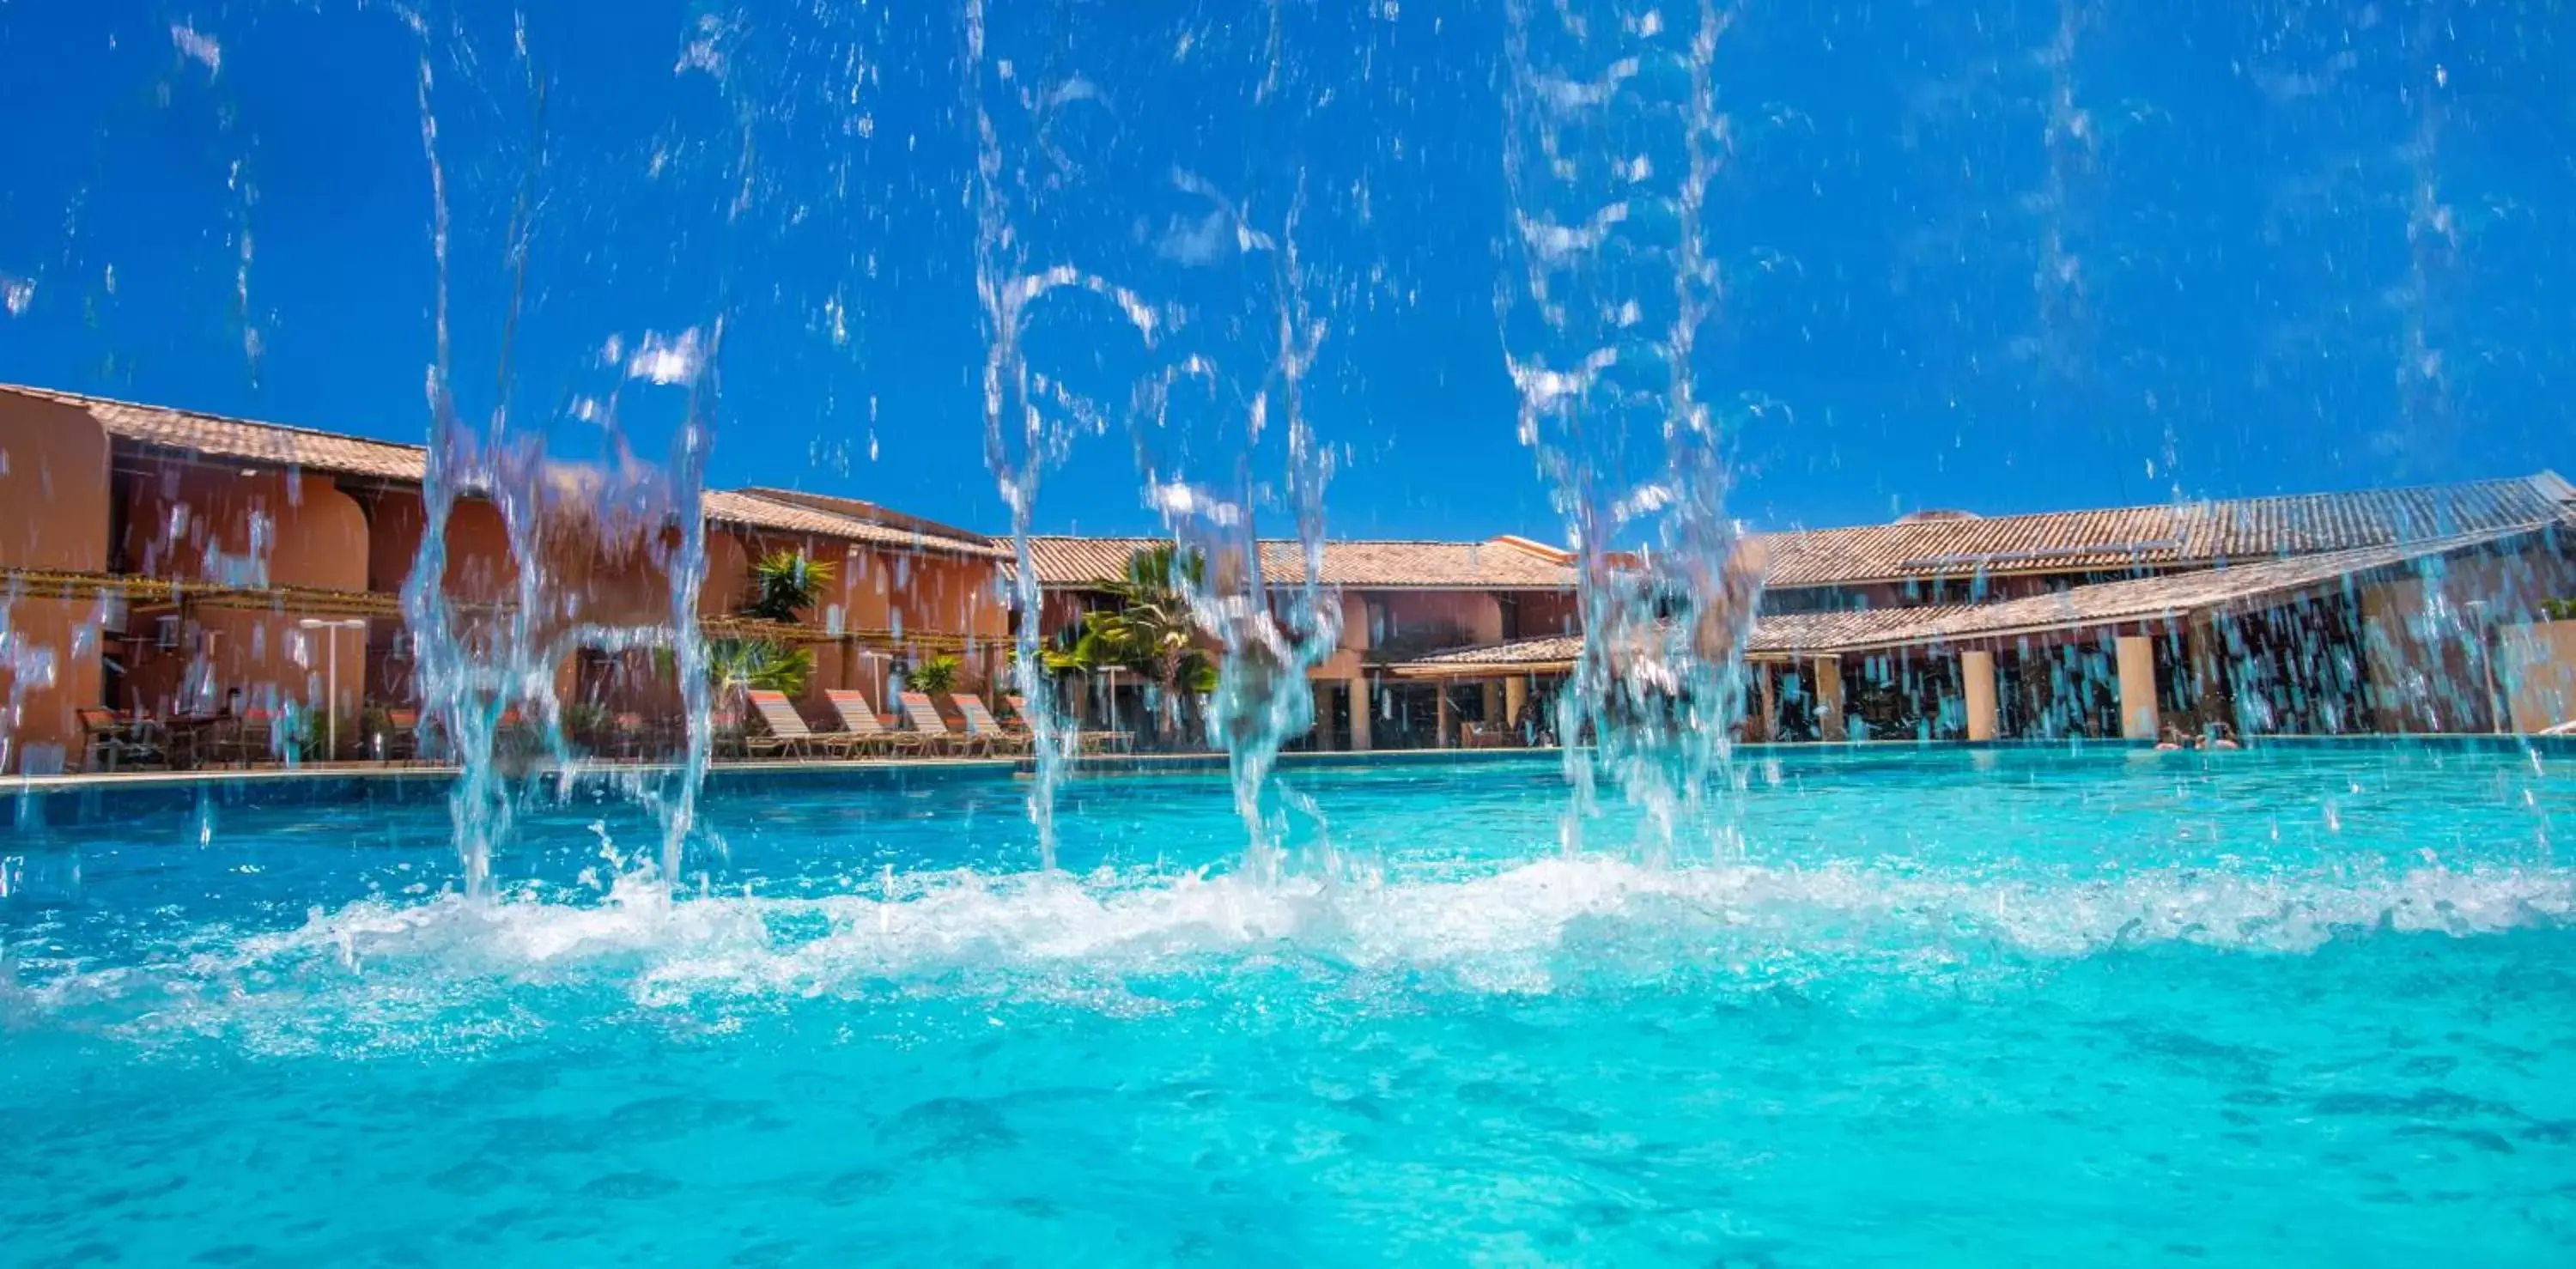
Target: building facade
[
  {"x": 167, "y": 564},
  {"x": 2437, "y": 609},
  {"x": 1400, "y": 600}
]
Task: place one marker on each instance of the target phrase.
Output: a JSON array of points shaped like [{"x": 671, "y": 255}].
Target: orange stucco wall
[
  {"x": 1475, "y": 614},
  {"x": 2424, "y": 672},
  {"x": 1549, "y": 612},
  {"x": 872, "y": 588},
  {"x": 479, "y": 563},
  {"x": 220, "y": 525},
  {"x": 2537, "y": 662},
  {"x": 53, "y": 515}
]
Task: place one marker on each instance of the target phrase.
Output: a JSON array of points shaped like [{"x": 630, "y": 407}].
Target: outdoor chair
[
  {"x": 788, "y": 733},
  {"x": 399, "y": 739},
  {"x": 859, "y": 720},
  {"x": 1083, "y": 741},
  {"x": 243, "y": 739},
  {"x": 924, "y": 715},
  {"x": 116, "y": 742},
  {"x": 628, "y": 736},
  {"x": 981, "y": 723}
]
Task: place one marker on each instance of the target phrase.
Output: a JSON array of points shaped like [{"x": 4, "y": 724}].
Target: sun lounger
[
  {"x": 981, "y": 723},
  {"x": 868, "y": 735},
  {"x": 787, "y": 730},
  {"x": 924, "y": 715},
  {"x": 1084, "y": 741}
]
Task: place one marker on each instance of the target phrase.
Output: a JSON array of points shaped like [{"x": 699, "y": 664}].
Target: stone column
[
  {"x": 1323, "y": 689},
  {"x": 1448, "y": 718},
  {"x": 1977, "y": 683},
  {"x": 1768, "y": 702},
  {"x": 1494, "y": 703},
  {"x": 2137, "y": 659},
  {"x": 1515, "y": 697},
  {"x": 1829, "y": 698},
  {"x": 1363, "y": 711}
]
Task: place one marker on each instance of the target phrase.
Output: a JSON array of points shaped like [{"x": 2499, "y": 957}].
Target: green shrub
[{"x": 936, "y": 676}]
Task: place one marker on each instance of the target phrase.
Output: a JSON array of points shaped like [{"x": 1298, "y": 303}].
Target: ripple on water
[
  {"x": 948, "y": 1127},
  {"x": 630, "y": 1187},
  {"x": 767, "y": 1255},
  {"x": 854, "y": 1186},
  {"x": 470, "y": 1179}
]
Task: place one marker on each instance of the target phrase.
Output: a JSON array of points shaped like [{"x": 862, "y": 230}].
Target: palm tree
[
  {"x": 735, "y": 666},
  {"x": 934, "y": 676},
  {"x": 1149, "y": 630},
  {"x": 784, "y": 584}
]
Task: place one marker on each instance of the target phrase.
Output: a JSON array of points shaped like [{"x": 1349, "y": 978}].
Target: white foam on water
[{"x": 446, "y": 971}]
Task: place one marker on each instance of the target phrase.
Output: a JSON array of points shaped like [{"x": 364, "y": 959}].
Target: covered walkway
[{"x": 2436, "y": 635}]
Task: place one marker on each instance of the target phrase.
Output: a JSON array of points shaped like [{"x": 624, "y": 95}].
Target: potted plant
[
  {"x": 784, "y": 584},
  {"x": 585, "y": 723},
  {"x": 934, "y": 677}
]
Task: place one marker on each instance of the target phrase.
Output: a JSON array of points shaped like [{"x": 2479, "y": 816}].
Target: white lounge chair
[
  {"x": 981, "y": 723},
  {"x": 924, "y": 714},
  {"x": 788, "y": 733},
  {"x": 859, "y": 721}
]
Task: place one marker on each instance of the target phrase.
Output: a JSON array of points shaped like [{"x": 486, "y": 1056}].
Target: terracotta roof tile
[
  {"x": 2180, "y": 535},
  {"x": 1787, "y": 633},
  {"x": 1549, "y": 651},
  {"x": 2145, "y": 598},
  {"x": 2081, "y": 607},
  {"x": 218, "y": 437},
  {"x": 242, "y": 440},
  {"x": 1503, "y": 564},
  {"x": 930, "y": 533},
  {"x": 751, "y": 511}
]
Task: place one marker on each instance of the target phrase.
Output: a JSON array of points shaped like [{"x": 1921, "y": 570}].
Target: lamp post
[{"x": 331, "y": 679}]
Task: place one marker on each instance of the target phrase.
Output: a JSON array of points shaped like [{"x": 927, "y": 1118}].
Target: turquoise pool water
[{"x": 2304, "y": 1006}]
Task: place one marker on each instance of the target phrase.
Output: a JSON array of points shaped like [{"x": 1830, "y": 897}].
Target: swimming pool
[{"x": 2300, "y": 1005}]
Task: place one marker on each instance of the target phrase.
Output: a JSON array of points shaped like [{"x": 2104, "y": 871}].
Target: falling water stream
[
  {"x": 1031, "y": 420},
  {"x": 1616, "y": 136},
  {"x": 1613, "y": 136},
  {"x": 1650, "y": 1000},
  {"x": 486, "y": 670},
  {"x": 1206, "y": 499}
]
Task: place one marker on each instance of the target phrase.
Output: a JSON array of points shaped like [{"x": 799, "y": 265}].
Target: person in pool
[
  {"x": 2221, "y": 736},
  {"x": 2171, "y": 740}
]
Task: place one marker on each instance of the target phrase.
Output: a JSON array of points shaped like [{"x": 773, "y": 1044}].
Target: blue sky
[{"x": 2262, "y": 247}]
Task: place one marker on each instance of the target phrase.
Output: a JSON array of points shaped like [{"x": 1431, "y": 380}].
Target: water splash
[
  {"x": 1263, "y": 698},
  {"x": 382, "y": 976},
  {"x": 486, "y": 665},
  {"x": 1030, "y": 420},
  {"x": 1612, "y": 138}
]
